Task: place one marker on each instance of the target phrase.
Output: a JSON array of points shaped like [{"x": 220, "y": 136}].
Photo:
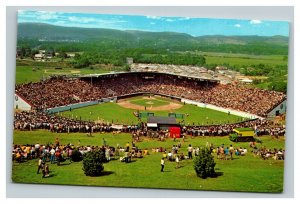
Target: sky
[{"x": 192, "y": 26}]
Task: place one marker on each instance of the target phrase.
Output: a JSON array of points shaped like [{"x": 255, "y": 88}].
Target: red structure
[{"x": 174, "y": 132}]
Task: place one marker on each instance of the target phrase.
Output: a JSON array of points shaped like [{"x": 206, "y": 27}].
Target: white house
[
  {"x": 21, "y": 103},
  {"x": 39, "y": 57}
]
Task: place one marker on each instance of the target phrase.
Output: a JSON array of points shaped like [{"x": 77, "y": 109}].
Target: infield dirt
[{"x": 127, "y": 104}]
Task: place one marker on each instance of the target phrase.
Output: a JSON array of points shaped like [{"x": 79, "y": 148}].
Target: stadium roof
[
  {"x": 161, "y": 120},
  {"x": 143, "y": 72}
]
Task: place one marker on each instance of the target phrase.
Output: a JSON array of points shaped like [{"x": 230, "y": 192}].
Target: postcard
[{"x": 158, "y": 102}]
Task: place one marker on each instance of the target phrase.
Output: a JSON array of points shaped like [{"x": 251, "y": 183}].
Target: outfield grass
[
  {"x": 248, "y": 173},
  {"x": 108, "y": 112},
  {"x": 112, "y": 112}
]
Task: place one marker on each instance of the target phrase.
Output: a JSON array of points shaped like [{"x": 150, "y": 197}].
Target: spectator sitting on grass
[
  {"x": 146, "y": 152},
  {"x": 139, "y": 154},
  {"x": 243, "y": 151}
]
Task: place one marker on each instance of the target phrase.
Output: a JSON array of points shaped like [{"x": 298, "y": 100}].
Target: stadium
[
  {"x": 149, "y": 93},
  {"x": 144, "y": 107}
]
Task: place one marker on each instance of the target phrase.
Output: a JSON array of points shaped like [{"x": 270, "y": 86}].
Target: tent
[{"x": 174, "y": 132}]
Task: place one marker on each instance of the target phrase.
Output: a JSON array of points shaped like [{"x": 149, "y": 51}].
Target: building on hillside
[
  {"x": 21, "y": 104},
  {"x": 39, "y": 57},
  {"x": 278, "y": 110},
  {"x": 49, "y": 54},
  {"x": 70, "y": 55},
  {"x": 42, "y": 52}
]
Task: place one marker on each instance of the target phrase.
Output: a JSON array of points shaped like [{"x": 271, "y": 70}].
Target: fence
[
  {"x": 78, "y": 105},
  {"x": 225, "y": 110},
  {"x": 145, "y": 114},
  {"x": 176, "y": 115}
]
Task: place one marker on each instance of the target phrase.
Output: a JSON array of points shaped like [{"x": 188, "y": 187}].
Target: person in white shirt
[
  {"x": 52, "y": 155},
  {"x": 190, "y": 151},
  {"x": 40, "y": 165},
  {"x": 170, "y": 156},
  {"x": 177, "y": 161}
]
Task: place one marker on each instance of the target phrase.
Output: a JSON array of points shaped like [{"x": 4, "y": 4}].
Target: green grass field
[
  {"x": 112, "y": 112},
  {"x": 247, "y": 173},
  {"x": 25, "y": 74},
  {"x": 240, "y": 61},
  {"x": 149, "y": 102}
]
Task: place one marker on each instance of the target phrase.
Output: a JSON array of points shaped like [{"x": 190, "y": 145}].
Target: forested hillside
[
  {"x": 251, "y": 55},
  {"x": 44, "y": 36}
]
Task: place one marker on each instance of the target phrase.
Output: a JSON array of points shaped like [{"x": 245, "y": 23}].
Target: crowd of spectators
[
  {"x": 260, "y": 127},
  {"x": 60, "y": 91},
  {"x": 31, "y": 120},
  {"x": 266, "y": 153},
  {"x": 57, "y": 153}
]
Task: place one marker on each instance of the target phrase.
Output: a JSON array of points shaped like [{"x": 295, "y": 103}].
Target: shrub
[
  {"x": 76, "y": 155},
  {"x": 258, "y": 140},
  {"x": 204, "y": 163},
  {"x": 233, "y": 137},
  {"x": 93, "y": 163}
]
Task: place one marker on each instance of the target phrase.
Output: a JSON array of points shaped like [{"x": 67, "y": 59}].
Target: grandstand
[{"x": 63, "y": 91}]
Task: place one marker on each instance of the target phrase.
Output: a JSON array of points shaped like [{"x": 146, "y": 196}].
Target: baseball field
[
  {"x": 123, "y": 111},
  {"x": 249, "y": 173}
]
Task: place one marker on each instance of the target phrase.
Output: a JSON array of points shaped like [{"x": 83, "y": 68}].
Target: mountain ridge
[{"x": 38, "y": 34}]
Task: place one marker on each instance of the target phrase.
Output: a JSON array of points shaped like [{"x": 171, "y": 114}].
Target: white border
[{"x": 133, "y": 2}]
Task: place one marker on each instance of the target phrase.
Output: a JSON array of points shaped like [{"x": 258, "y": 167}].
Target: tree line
[{"x": 115, "y": 54}]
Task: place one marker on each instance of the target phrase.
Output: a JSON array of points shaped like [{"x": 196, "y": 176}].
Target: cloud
[
  {"x": 237, "y": 25},
  {"x": 153, "y": 17},
  {"x": 27, "y": 14},
  {"x": 255, "y": 22},
  {"x": 47, "y": 15},
  {"x": 170, "y": 20},
  {"x": 161, "y": 18},
  {"x": 91, "y": 22},
  {"x": 65, "y": 19},
  {"x": 38, "y": 15},
  {"x": 185, "y": 18},
  {"x": 81, "y": 19}
]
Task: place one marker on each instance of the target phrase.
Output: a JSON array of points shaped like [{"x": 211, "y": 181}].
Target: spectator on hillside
[{"x": 190, "y": 151}]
